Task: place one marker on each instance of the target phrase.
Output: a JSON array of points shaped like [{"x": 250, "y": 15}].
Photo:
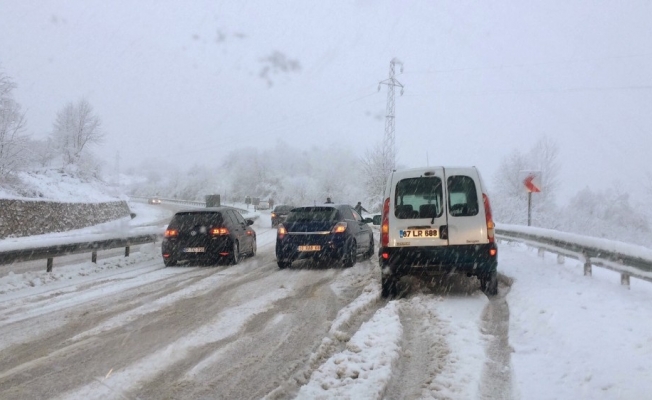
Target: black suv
[
  {"x": 280, "y": 213},
  {"x": 325, "y": 232},
  {"x": 208, "y": 236}
]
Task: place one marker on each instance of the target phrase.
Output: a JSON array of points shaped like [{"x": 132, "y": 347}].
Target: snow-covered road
[{"x": 130, "y": 328}]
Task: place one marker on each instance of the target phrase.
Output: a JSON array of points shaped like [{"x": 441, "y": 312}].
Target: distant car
[
  {"x": 154, "y": 200},
  {"x": 280, "y": 213},
  {"x": 208, "y": 235},
  {"x": 325, "y": 232},
  {"x": 263, "y": 205}
]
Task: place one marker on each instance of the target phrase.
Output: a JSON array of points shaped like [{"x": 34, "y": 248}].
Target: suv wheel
[
  {"x": 169, "y": 262},
  {"x": 350, "y": 256},
  {"x": 489, "y": 283},
  {"x": 284, "y": 264},
  {"x": 235, "y": 257}
]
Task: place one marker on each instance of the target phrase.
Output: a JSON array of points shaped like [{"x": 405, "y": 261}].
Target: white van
[{"x": 437, "y": 220}]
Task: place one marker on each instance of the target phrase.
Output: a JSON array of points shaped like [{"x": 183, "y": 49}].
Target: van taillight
[
  {"x": 170, "y": 233},
  {"x": 384, "y": 225},
  {"x": 490, "y": 221},
  {"x": 219, "y": 231},
  {"x": 281, "y": 231}
]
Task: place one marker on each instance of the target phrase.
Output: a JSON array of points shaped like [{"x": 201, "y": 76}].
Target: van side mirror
[
  {"x": 376, "y": 219},
  {"x": 368, "y": 220}
]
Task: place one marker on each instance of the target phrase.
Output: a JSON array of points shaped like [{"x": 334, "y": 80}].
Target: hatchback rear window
[
  {"x": 306, "y": 214},
  {"x": 189, "y": 220},
  {"x": 462, "y": 196},
  {"x": 418, "y": 198}
]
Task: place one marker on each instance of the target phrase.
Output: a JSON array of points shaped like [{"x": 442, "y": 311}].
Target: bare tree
[
  {"x": 75, "y": 129},
  {"x": 12, "y": 125},
  {"x": 377, "y": 164},
  {"x": 510, "y": 196}
]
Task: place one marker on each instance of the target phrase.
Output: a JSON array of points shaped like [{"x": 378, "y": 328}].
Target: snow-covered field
[{"x": 130, "y": 328}]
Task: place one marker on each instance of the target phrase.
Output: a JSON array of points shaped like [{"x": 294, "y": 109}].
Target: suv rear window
[
  {"x": 283, "y": 209},
  {"x": 188, "y": 220},
  {"x": 306, "y": 214},
  {"x": 418, "y": 198},
  {"x": 462, "y": 196}
]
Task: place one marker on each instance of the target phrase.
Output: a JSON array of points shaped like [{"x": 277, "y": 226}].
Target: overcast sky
[{"x": 189, "y": 81}]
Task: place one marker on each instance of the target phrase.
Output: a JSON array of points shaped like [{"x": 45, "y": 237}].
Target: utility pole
[
  {"x": 389, "y": 141},
  {"x": 117, "y": 168}
]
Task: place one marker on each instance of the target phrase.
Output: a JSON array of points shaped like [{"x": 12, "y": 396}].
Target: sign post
[{"x": 532, "y": 182}]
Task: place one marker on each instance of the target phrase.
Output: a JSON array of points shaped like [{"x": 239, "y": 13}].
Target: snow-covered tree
[
  {"x": 12, "y": 124},
  {"x": 76, "y": 129}
]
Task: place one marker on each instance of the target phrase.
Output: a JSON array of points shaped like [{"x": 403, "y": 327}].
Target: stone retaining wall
[{"x": 26, "y": 218}]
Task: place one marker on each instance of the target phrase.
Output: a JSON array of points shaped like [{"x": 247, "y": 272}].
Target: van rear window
[
  {"x": 418, "y": 198},
  {"x": 462, "y": 196}
]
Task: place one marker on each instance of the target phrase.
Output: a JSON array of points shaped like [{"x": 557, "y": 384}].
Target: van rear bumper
[{"x": 470, "y": 259}]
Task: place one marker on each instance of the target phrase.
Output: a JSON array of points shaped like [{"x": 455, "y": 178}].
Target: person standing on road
[
  {"x": 328, "y": 200},
  {"x": 359, "y": 209}
]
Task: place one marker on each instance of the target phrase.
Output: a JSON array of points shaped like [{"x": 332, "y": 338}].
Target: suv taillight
[
  {"x": 384, "y": 225},
  {"x": 340, "y": 227},
  {"x": 170, "y": 233},
  {"x": 281, "y": 231},
  {"x": 490, "y": 222}
]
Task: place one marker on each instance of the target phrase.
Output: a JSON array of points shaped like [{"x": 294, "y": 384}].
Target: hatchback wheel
[
  {"x": 235, "y": 256},
  {"x": 371, "y": 250},
  {"x": 253, "y": 248},
  {"x": 350, "y": 256}
]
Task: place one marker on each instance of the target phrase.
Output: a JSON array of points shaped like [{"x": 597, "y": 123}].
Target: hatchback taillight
[
  {"x": 281, "y": 231},
  {"x": 171, "y": 233},
  {"x": 340, "y": 227},
  {"x": 219, "y": 231},
  {"x": 384, "y": 225},
  {"x": 490, "y": 222}
]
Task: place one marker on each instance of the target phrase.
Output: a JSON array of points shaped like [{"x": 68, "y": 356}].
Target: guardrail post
[
  {"x": 541, "y": 252},
  {"x": 48, "y": 268},
  {"x": 561, "y": 259},
  {"x": 94, "y": 257},
  {"x": 624, "y": 279},
  {"x": 587, "y": 265},
  {"x": 127, "y": 251}
]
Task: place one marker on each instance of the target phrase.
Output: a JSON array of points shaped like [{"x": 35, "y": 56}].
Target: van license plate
[
  {"x": 194, "y": 250},
  {"x": 417, "y": 233},
  {"x": 310, "y": 248}
]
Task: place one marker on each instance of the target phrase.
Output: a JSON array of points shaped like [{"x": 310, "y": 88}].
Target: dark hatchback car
[
  {"x": 208, "y": 236},
  {"x": 325, "y": 232},
  {"x": 280, "y": 213}
]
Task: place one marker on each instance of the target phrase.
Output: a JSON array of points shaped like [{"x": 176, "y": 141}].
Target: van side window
[
  {"x": 419, "y": 197},
  {"x": 462, "y": 196}
]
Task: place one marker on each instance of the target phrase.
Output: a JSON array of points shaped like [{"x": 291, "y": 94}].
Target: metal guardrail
[
  {"x": 58, "y": 250},
  {"x": 189, "y": 203},
  {"x": 616, "y": 256}
]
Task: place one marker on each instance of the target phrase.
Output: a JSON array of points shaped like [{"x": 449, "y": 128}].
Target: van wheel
[
  {"x": 235, "y": 256},
  {"x": 351, "y": 255},
  {"x": 389, "y": 286},
  {"x": 489, "y": 283}
]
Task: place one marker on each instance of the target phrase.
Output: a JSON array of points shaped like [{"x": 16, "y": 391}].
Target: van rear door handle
[{"x": 443, "y": 232}]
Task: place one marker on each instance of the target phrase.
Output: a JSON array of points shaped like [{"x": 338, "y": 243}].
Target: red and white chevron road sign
[{"x": 531, "y": 180}]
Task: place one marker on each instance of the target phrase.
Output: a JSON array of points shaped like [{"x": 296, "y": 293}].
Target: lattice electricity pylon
[{"x": 389, "y": 141}]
